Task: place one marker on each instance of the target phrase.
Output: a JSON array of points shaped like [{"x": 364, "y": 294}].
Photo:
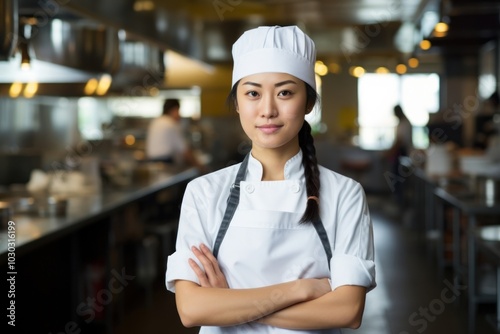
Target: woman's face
[{"x": 272, "y": 107}]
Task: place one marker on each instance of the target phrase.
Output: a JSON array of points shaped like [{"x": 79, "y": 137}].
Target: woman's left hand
[{"x": 211, "y": 276}]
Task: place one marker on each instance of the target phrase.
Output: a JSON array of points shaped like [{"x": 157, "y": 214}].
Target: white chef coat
[
  {"x": 165, "y": 139},
  {"x": 265, "y": 244}
]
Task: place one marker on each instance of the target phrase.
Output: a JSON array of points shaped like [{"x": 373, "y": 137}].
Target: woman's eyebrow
[
  {"x": 252, "y": 84},
  {"x": 279, "y": 84},
  {"x": 286, "y": 82}
]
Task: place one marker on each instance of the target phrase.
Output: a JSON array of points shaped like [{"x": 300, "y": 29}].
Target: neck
[{"x": 273, "y": 162}]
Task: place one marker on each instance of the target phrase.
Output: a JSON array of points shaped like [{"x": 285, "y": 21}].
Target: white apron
[{"x": 264, "y": 244}]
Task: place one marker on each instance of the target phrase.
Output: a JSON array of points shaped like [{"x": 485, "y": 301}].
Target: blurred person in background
[
  {"x": 165, "y": 141},
  {"x": 486, "y": 122},
  {"x": 401, "y": 147}
]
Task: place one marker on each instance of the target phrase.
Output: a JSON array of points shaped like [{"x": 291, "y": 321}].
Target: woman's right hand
[{"x": 211, "y": 276}]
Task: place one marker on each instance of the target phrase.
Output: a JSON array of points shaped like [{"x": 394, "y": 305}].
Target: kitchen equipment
[
  {"x": 23, "y": 205},
  {"x": 488, "y": 189},
  {"x": 53, "y": 206},
  {"x": 473, "y": 164}
]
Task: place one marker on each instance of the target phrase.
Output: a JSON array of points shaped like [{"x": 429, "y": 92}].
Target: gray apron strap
[
  {"x": 232, "y": 203},
  {"x": 320, "y": 229}
]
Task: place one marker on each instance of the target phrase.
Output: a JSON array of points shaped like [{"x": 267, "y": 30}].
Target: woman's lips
[{"x": 269, "y": 128}]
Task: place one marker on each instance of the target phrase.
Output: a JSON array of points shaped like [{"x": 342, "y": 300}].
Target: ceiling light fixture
[
  {"x": 30, "y": 89},
  {"x": 104, "y": 84},
  {"x": 401, "y": 69},
  {"x": 425, "y": 44},
  {"x": 413, "y": 62},
  {"x": 357, "y": 71},
  {"x": 441, "y": 29},
  {"x": 91, "y": 86},
  {"x": 24, "y": 46},
  {"x": 334, "y": 68},
  {"x": 15, "y": 89},
  {"x": 144, "y": 6},
  {"x": 320, "y": 68},
  {"x": 382, "y": 70}
]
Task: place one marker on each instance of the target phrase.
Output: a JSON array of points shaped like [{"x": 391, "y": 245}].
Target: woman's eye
[
  {"x": 253, "y": 93},
  {"x": 285, "y": 93}
]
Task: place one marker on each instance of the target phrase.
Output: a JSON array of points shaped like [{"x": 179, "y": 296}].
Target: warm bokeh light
[
  {"x": 425, "y": 44},
  {"x": 91, "y": 86},
  {"x": 439, "y": 34},
  {"x": 382, "y": 70},
  {"x": 144, "y": 5},
  {"x": 15, "y": 89},
  {"x": 104, "y": 84},
  {"x": 129, "y": 140},
  {"x": 25, "y": 66},
  {"x": 357, "y": 71},
  {"x": 30, "y": 90},
  {"x": 401, "y": 69},
  {"x": 441, "y": 27},
  {"x": 334, "y": 68},
  {"x": 153, "y": 91},
  {"x": 320, "y": 68},
  {"x": 413, "y": 62}
]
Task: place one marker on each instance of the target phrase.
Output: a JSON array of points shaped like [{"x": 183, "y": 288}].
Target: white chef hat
[{"x": 275, "y": 49}]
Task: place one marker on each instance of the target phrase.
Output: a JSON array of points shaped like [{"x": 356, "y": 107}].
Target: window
[{"x": 418, "y": 95}]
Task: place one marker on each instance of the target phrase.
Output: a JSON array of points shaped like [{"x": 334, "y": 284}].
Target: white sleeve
[
  {"x": 192, "y": 232},
  {"x": 352, "y": 262}
]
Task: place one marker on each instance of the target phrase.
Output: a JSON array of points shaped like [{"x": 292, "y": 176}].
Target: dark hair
[
  {"x": 398, "y": 112},
  {"x": 231, "y": 101},
  {"x": 310, "y": 163},
  {"x": 309, "y": 160},
  {"x": 169, "y": 105}
]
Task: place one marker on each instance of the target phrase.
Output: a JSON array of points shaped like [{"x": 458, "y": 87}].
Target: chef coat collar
[{"x": 293, "y": 168}]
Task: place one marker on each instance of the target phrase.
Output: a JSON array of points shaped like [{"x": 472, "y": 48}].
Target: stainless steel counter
[{"x": 32, "y": 231}]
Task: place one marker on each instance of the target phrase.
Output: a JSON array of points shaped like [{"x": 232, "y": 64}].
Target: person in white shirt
[
  {"x": 275, "y": 244},
  {"x": 165, "y": 141}
]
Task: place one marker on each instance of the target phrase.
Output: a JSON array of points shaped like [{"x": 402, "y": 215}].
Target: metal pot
[{"x": 9, "y": 28}]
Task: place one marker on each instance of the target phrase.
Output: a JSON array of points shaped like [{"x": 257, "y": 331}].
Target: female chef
[{"x": 275, "y": 244}]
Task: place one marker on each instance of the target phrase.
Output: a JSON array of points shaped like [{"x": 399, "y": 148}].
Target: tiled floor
[{"x": 409, "y": 297}]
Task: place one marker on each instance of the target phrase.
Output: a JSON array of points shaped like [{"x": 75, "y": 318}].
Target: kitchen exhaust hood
[{"x": 67, "y": 46}]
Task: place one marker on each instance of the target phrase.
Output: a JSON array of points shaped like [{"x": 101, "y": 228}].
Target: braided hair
[{"x": 309, "y": 161}]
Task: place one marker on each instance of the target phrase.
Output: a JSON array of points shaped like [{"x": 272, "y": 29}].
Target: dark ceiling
[{"x": 205, "y": 29}]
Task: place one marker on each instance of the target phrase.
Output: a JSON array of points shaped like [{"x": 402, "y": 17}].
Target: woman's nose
[{"x": 268, "y": 108}]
